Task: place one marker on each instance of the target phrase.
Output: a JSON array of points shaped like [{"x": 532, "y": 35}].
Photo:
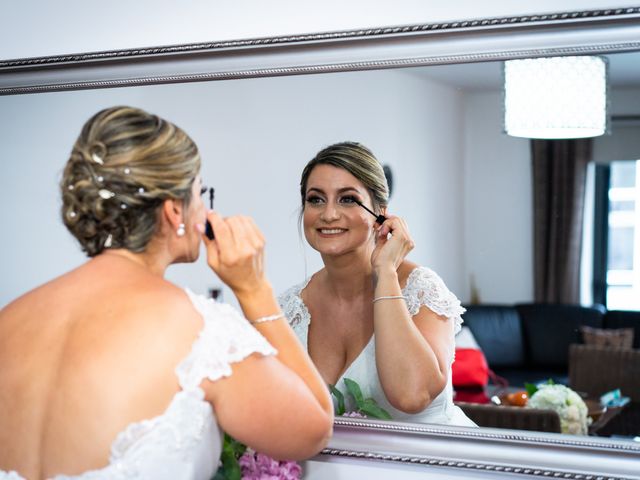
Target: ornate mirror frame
[{"x": 445, "y": 451}]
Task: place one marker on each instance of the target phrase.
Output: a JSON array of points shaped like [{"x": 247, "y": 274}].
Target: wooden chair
[
  {"x": 519, "y": 418},
  {"x": 596, "y": 370}
]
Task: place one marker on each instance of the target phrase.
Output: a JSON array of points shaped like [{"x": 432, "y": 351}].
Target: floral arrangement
[
  {"x": 362, "y": 407},
  {"x": 258, "y": 466},
  {"x": 560, "y": 398},
  {"x": 238, "y": 462}
]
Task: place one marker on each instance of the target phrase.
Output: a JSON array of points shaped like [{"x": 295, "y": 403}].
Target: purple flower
[
  {"x": 258, "y": 466},
  {"x": 354, "y": 414}
]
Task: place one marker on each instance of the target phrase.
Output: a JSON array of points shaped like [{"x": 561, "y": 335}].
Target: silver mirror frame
[
  {"x": 491, "y": 39},
  {"x": 458, "y": 450}
]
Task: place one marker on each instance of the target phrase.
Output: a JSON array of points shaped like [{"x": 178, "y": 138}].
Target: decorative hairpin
[
  {"x": 96, "y": 158},
  {"x": 106, "y": 194}
]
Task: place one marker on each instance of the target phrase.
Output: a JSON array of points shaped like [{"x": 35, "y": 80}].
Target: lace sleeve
[
  {"x": 293, "y": 307},
  {"x": 225, "y": 338},
  {"x": 425, "y": 288}
]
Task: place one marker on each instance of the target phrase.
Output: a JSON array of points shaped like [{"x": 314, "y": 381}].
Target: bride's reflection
[{"x": 379, "y": 320}]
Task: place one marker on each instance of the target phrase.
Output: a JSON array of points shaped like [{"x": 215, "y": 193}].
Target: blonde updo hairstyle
[
  {"x": 360, "y": 162},
  {"x": 124, "y": 164}
]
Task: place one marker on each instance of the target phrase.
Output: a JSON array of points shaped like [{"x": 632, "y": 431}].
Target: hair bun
[{"x": 119, "y": 172}]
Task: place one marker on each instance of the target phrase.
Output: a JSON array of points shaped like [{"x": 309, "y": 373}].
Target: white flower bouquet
[{"x": 570, "y": 407}]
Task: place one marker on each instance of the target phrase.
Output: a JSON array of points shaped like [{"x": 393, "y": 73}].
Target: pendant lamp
[{"x": 557, "y": 97}]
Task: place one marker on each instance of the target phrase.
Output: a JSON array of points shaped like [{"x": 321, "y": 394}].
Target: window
[{"x": 617, "y": 251}]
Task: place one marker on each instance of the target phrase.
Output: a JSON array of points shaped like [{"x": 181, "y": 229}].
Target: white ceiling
[{"x": 624, "y": 71}]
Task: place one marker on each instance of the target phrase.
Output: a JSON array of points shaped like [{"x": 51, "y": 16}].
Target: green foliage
[
  {"x": 232, "y": 450},
  {"x": 532, "y": 388},
  {"x": 365, "y": 406},
  {"x": 354, "y": 389},
  {"x": 338, "y": 394}
]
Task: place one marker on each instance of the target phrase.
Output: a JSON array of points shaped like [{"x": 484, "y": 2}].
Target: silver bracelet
[
  {"x": 389, "y": 297},
  {"x": 268, "y": 318}
]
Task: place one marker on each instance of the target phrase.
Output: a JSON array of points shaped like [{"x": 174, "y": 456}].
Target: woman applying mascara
[{"x": 378, "y": 318}]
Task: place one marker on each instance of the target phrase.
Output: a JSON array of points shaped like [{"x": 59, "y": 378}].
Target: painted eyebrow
[{"x": 340, "y": 190}]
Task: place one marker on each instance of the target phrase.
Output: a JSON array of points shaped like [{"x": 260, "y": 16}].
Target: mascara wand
[
  {"x": 208, "y": 231},
  {"x": 379, "y": 218}
]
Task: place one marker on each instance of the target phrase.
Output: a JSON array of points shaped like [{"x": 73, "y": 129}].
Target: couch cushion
[
  {"x": 549, "y": 329},
  {"x": 624, "y": 319},
  {"x": 497, "y": 330},
  {"x": 608, "y": 337}
]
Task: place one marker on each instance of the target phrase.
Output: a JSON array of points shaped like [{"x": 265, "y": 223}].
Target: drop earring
[{"x": 180, "y": 230}]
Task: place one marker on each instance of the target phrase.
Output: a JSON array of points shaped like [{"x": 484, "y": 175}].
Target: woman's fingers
[
  {"x": 395, "y": 226},
  {"x": 223, "y": 237},
  {"x": 254, "y": 233},
  {"x": 392, "y": 249}
]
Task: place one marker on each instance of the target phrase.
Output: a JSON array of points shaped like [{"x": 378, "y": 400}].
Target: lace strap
[
  {"x": 294, "y": 308},
  {"x": 425, "y": 288},
  {"x": 225, "y": 338}
]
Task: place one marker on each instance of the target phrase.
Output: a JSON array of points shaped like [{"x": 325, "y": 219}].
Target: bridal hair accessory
[
  {"x": 268, "y": 318},
  {"x": 96, "y": 158},
  {"x": 98, "y": 152},
  {"x": 180, "y": 231},
  {"x": 390, "y": 297},
  {"x": 108, "y": 241},
  {"x": 106, "y": 194}
]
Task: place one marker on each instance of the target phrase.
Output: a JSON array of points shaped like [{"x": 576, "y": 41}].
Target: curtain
[{"x": 559, "y": 177}]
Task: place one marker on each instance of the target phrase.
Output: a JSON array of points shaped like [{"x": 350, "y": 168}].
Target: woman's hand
[
  {"x": 236, "y": 254},
  {"x": 390, "y": 250}
]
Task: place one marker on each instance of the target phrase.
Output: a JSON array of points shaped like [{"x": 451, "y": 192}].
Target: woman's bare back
[{"x": 84, "y": 356}]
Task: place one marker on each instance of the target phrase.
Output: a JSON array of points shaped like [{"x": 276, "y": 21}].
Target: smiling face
[{"x": 334, "y": 224}]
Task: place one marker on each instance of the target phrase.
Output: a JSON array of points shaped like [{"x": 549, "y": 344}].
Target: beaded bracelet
[
  {"x": 389, "y": 297},
  {"x": 268, "y": 318}
]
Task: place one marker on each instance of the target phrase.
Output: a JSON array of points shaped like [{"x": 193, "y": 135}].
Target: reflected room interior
[{"x": 466, "y": 189}]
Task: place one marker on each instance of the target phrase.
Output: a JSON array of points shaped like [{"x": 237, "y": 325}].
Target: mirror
[{"x": 256, "y": 130}]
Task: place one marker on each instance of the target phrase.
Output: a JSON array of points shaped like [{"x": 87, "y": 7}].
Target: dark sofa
[{"x": 530, "y": 342}]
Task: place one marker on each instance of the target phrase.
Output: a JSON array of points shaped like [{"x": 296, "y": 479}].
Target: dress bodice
[
  {"x": 184, "y": 442},
  {"x": 423, "y": 288}
]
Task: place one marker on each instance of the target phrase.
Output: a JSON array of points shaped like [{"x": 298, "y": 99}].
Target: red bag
[
  {"x": 470, "y": 395},
  {"x": 470, "y": 368}
]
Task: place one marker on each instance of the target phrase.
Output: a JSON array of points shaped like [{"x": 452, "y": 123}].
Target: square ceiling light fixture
[{"x": 556, "y": 97}]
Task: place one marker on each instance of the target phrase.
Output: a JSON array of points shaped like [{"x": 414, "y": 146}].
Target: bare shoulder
[
  {"x": 404, "y": 271},
  {"x": 315, "y": 287},
  {"x": 166, "y": 307}
]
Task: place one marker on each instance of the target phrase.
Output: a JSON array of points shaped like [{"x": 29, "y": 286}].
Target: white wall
[
  {"x": 498, "y": 204},
  {"x": 32, "y": 28},
  {"x": 623, "y": 142},
  {"x": 255, "y": 136}
]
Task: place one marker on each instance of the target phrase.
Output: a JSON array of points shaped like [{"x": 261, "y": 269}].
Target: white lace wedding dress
[
  {"x": 184, "y": 443},
  {"x": 424, "y": 288}
]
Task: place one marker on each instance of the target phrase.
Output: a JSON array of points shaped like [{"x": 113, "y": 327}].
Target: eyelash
[{"x": 348, "y": 199}]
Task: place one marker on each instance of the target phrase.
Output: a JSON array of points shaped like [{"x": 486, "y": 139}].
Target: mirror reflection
[{"x": 465, "y": 189}]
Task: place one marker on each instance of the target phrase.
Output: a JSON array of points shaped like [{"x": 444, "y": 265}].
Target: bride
[
  {"x": 370, "y": 315},
  {"x": 110, "y": 371}
]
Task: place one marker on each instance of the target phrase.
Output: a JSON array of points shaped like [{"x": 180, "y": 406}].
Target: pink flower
[{"x": 258, "y": 466}]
